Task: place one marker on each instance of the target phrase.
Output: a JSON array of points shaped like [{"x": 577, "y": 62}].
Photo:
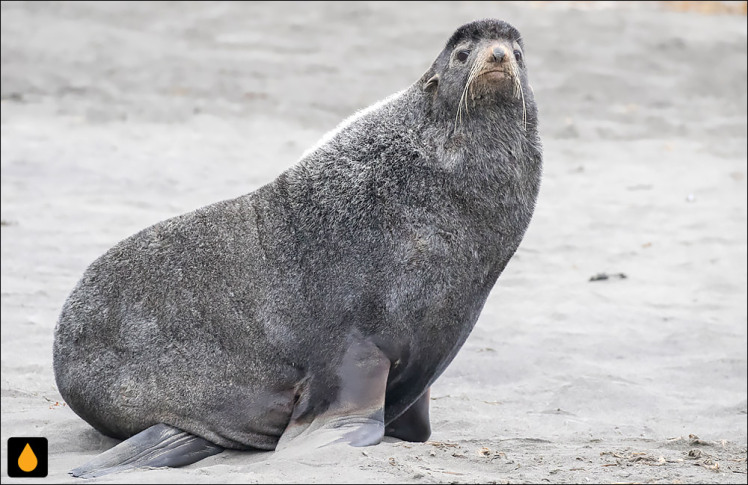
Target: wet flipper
[
  {"x": 413, "y": 424},
  {"x": 356, "y": 415},
  {"x": 160, "y": 445}
]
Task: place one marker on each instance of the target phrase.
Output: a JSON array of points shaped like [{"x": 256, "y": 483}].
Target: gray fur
[{"x": 225, "y": 321}]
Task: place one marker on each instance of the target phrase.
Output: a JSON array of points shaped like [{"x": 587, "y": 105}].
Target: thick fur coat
[{"x": 226, "y": 320}]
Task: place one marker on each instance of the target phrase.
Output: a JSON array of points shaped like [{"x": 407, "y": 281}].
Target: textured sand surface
[{"x": 118, "y": 115}]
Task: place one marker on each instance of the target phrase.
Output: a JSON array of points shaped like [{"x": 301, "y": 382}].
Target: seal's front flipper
[
  {"x": 158, "y": 446},
  {"x": 356, "y": 414},
  {"x": 413, "y": 424}
]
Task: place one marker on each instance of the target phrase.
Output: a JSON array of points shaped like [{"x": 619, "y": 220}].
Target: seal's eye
[
  {"x": 518, "y": 55},
  {"x": 463, "y": 55}
]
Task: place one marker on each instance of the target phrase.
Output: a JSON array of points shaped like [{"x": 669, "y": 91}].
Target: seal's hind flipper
[{"x": 158, "y": 446}]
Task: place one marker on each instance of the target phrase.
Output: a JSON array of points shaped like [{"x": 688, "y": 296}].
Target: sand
[{"x": 118, "y": 115}]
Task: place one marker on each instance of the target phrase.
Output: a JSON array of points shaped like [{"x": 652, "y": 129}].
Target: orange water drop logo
[{"x": 27, "y": 461}]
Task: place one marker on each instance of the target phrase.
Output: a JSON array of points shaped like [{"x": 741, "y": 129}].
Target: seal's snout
[
  {"x": 496, "y": 62},
  {"x": 499, "y": 53}
]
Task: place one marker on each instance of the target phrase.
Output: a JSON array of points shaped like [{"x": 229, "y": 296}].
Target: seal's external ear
[{"x": 431, "y": 83}]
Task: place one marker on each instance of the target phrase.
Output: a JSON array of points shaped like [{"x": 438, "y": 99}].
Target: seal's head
[{"x": 481, "y": 67}]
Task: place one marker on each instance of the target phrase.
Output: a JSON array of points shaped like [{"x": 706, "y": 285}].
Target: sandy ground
[{"x": 119, "y": 115}]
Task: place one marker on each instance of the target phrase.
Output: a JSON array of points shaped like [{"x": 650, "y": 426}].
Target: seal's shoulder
[{"x": 358, "y": 115}]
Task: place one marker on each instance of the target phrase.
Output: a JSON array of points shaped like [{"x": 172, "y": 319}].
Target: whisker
[
  {"x": 466, "y": 90},
  {"x": 524, "y": 109},
  {"x": 463, "y": 97},
  {"x": 519, "y": 92}
]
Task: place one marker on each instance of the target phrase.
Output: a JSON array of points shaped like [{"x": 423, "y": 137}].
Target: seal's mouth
[
  {"x": 495, "y": 74},
  {"x": 493, "y": 80}
]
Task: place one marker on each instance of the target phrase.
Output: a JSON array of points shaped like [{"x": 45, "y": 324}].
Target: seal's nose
[{"x": 498, "y": 53}]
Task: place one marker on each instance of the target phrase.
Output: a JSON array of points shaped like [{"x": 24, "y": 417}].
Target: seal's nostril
[{"x": 498, "y": 54}]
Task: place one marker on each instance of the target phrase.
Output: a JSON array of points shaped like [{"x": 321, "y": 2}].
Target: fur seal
[{"x": 321, "y": 307}]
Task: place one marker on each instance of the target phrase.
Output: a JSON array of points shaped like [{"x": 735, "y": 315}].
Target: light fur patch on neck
[{"x": 350, "y": 120}]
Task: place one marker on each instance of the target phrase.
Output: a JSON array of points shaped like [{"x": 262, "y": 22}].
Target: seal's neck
[
  {"x": 491, "y": 138},
  {"x": 492, "y": 160}
]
